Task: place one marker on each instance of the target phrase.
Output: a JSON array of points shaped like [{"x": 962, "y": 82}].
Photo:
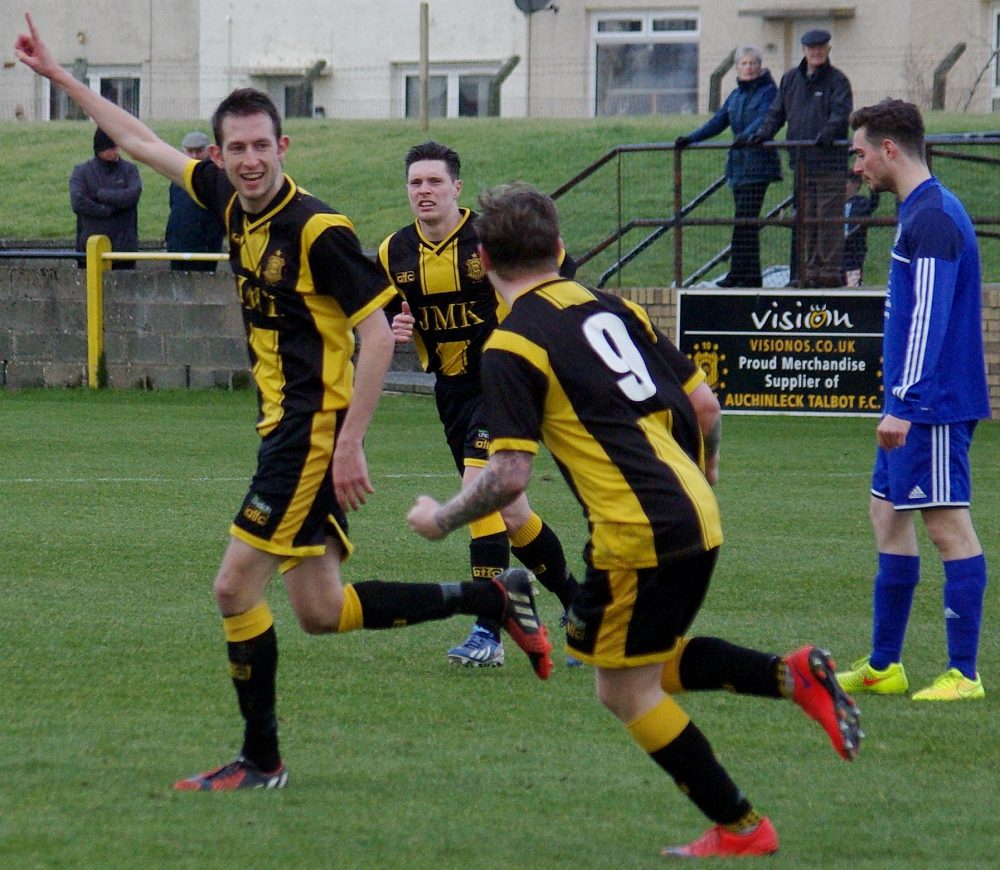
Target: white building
[
  {"x": 178, "y": 59},
  {"x": 572, "y": 58}
]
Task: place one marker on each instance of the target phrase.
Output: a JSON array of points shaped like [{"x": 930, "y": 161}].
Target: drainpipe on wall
[
  {"x": 941, "y": 75},
  {"x": 493, "y": 103},
  {"x": 715, "y": 82}
]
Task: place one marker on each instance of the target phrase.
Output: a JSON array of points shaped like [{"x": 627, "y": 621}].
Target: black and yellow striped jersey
[
  {"x": 588, "y": 374},
  {"x": 451, "y": 299},
  {"x": 303, "y": 283}
]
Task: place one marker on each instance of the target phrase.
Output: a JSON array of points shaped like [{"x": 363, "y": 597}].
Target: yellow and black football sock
[
  {"x": 746, "y": 824},
  {"x": 489, "y": 555},
  {"x": 537, "y": 547},
  {"x": 396, "y": 605},
  {"x": 253, "y": 664},
  {"x": 674, "y": 742},
  {"x": 708, "y": 663}
]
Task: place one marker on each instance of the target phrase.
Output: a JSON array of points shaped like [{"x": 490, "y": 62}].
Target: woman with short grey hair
[{"x": 749, "y": 171}]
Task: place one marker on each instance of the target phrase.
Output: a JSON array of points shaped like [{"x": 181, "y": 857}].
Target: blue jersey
[{"x": 933, "y": 368}]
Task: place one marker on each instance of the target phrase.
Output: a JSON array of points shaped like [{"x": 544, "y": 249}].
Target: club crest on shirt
[
  {"x": 474, "y": 268},
  {"x": 274, "y": 267}
]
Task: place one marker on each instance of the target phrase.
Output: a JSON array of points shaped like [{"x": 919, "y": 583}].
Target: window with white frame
[
  {"x": 118, "y": 84},
  {"x": 453, "y": 91},
  {"x": 645, "y": 63},
  {"x": 291, "y": 97},
  {"x": 995, "y": 102},
  {"x": 56, "y": 106}
]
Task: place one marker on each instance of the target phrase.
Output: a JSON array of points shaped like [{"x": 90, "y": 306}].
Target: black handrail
[
  {"x": 680, "y": 218},
  {"x": 653, "y": 236},
  {"x": 38, "y": 254}
]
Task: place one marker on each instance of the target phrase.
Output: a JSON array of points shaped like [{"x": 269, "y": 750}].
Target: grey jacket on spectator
[{"x": 105, "y": 195}]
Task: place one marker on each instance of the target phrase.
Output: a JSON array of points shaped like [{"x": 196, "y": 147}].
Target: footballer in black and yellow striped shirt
[
  {"x": 449, "y": 309},
  {"x": 306, "y": 289},
  {"x": 634, "y": 428},
  {"x": 303, "y": 284}
]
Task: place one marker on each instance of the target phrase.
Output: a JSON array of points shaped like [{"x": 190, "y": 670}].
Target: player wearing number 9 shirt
[{"x": 634, "y": 428}]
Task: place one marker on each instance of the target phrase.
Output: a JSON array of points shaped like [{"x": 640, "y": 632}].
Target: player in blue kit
[{"x": 934, "y": 379}]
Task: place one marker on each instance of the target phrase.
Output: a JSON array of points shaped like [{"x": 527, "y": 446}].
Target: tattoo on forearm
[{"x": 489, "y": 492}]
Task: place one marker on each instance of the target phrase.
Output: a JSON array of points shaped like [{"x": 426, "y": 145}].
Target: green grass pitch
[{"x": 113, "y": 678}]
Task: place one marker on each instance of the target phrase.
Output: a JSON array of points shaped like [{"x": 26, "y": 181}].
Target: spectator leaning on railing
[
  {"x": 748, "y": 170},
  {"x": 815, "y": 99}
]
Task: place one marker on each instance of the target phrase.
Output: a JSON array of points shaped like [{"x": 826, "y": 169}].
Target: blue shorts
[{"x": 931, "y": 470}]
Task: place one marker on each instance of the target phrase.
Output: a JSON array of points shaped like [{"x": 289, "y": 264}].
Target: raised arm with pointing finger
[
  {"x": 128, "y": 132},
  {"x": 306, "y": 289}
]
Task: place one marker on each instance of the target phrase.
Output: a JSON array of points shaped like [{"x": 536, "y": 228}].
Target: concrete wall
[
  {"x": 162, "y": 329},
  {"x": 168, "y": 329}
]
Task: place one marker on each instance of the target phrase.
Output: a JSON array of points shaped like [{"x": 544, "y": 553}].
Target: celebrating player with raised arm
[{"x": 305, "y": 288}]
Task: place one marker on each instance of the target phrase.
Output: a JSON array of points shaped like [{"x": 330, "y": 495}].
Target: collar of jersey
[
  {"x": 918, "y": 191},
  {"x": 437, "y": 247},
  {"x": 541, "y": 285},
  {"x": 281, "y": 199}
]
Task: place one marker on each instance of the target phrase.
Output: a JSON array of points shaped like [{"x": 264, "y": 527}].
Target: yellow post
[{"x": 97, "y": 246}]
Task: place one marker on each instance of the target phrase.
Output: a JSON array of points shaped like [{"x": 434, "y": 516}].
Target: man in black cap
[
  {"x": 815, "y": 99},
  {"x": 192, "y": 229},
  {"x": 104, "y": 194}
]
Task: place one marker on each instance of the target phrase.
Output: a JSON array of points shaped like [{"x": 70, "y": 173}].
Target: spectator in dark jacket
[
  {"x": 190, "y": 228},
  {"x": 104, "y": 194},
  {"x": 815, "y": 99},
  {"x": 856, "y": 234},
  {"x": 748, "y": 170}
]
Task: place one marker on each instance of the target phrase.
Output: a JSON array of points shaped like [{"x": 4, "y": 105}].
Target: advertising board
[{"x": 786, "y": 351}]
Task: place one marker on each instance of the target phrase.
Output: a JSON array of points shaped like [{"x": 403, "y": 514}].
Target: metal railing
[
  {"x": 99, "y": 258},
  {"x": 688, "y": 213}
]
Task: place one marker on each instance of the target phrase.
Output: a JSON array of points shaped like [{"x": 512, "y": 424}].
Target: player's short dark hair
[
  {"x": 892, "y": 119},
  {"x": 518, "y": 227},
  {"x": 243, "y": 102},
  {"x": 431, "y": 150}
]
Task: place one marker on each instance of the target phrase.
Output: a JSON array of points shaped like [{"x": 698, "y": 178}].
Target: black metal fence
[{"x": 649, "y": 215}]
